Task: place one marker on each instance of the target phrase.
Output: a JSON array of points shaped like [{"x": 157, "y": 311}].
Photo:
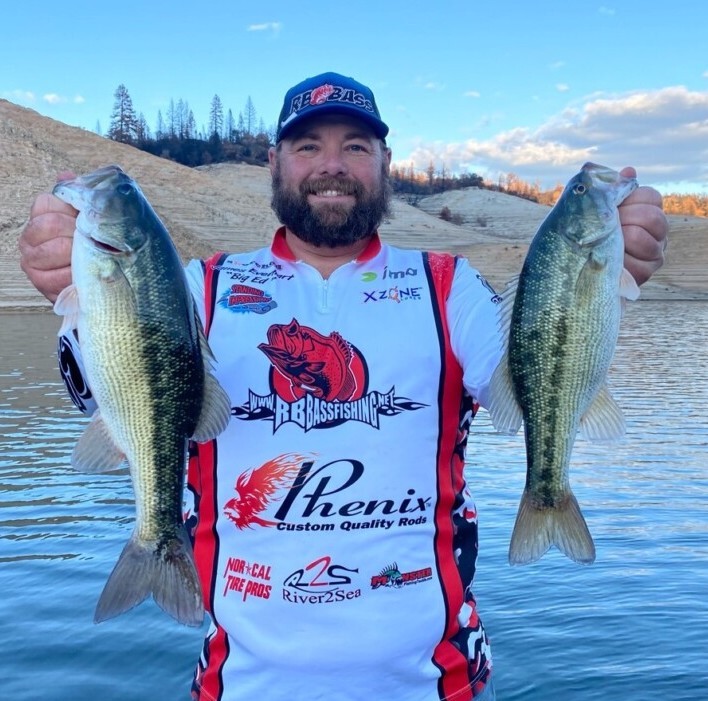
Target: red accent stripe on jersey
[
  {"x": 202, "y": 480},
  {"x": 211, "y": 684},
  {"x": 453, "y": 665},
  {"x": 212, "y": 267}
]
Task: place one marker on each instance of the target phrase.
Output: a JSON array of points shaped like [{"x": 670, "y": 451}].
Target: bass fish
[
  {"x": 150, "y": 369},
  {"x": 561, "y": 321}
]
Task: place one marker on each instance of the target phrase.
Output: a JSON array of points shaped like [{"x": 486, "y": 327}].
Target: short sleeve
[{"x": 475, "y": 335}]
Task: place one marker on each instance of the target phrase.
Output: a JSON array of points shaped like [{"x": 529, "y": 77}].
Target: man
[{"x": 334, "y": 533}]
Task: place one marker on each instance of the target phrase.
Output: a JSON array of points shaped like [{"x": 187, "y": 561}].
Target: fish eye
[
  {"x": 580, "y": 189},
  {"x": 125, "y": 189}
]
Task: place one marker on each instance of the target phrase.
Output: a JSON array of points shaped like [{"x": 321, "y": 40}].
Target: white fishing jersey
[{"x": 334, "y": 533}]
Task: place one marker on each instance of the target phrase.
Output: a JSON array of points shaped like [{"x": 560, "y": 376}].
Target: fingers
[
  {"x": 45, "y": 245},
  {"x": 645, "y": 229}
]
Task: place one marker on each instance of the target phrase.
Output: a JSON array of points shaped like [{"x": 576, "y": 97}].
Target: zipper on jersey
[{"x": 324, "y": 295}]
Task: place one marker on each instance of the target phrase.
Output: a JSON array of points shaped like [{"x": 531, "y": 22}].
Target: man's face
[{"x": 330, "y": 181}]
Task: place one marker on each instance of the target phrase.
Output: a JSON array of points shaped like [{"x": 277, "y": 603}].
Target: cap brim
[{"x": 379, "y": 128}]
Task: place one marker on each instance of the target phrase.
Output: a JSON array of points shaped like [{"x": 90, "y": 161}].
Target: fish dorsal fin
[
  {"x": 67, "y": 305},
  {"x": 96, "y": 450},
  {"x": 603, "y": 421},
  {"x": 216, "y": 405},
  {"x": 628, "y": 286}
]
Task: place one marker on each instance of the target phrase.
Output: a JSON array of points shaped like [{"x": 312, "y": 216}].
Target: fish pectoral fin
[
  {"x": 96, "y": 450},
  {"x": 603, "y": 421},
  {"x": 504, "y": 410},
  {"x": 216, "y": 410},
  {"x": 628, "y": 286},
  {"x": 216, "y": 405},
  {"x": 67, "y": 305},
  {"x": 166, "y": 571},
  {"x": 537, "y": 529}
]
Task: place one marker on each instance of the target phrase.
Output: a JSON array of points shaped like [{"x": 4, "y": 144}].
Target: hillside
[{"x": 226, "y": 206}]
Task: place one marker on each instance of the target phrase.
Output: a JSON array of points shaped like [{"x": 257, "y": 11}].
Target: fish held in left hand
[
  {"x": 561, "y": 321},
  {"x": 149, "y": 367}
]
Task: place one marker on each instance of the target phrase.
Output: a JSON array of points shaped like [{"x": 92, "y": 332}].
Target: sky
[{"x": 530, "y": 88}]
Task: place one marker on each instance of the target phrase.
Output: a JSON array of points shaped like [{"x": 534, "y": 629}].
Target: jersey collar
[{"x": 280, "y": 248}]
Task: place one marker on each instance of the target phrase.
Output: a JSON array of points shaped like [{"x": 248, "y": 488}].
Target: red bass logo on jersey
[
  {"x": 318, "y": 381},
  {"x": 328, "y": 367}
]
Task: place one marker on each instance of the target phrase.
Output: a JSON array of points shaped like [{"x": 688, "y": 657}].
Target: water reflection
[{"x": 633, "y": 625}]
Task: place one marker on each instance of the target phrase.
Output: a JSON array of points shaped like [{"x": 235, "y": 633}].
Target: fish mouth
[
  {"x": 98, "y": 177},
  {"x": 107, "y": 247},
  {"x": 85, "y": 226},
  {"x": 602, "y": 173},
  {"x": 604, "y": 176}
]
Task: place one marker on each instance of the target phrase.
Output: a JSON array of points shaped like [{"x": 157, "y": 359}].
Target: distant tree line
[
  {"x": 246, "y": 139},
  {"x": 176, "y": 136}
]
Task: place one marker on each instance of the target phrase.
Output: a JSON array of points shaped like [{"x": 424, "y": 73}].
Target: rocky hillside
[{"x": 226, "y": 207}]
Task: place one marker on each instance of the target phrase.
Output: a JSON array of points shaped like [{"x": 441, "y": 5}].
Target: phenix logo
[
  {"x": 256, "y": 487},
  {"x": 318, "y": 381}
]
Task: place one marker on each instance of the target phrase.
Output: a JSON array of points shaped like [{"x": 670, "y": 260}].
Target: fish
[
  {"x": 560, "y": 320},
  {"x": 316, "y": 364},
  {"x": 150, "y": 369}
]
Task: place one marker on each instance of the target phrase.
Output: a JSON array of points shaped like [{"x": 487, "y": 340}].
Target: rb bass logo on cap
[{"x": 328, "y": 93}]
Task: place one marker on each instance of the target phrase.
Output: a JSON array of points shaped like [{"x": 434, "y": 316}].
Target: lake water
[{"x": 633, "y": 626}]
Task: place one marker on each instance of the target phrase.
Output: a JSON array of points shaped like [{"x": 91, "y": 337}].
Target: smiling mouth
[{"x": 332, "y": 193}]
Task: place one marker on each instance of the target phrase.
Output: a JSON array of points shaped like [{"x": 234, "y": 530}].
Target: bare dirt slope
[{"x": 226, "y": 207}]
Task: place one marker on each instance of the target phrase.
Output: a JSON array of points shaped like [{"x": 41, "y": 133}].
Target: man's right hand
[{"x": 45, "y": 243}]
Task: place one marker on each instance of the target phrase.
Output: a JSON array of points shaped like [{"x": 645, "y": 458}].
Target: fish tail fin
[
  {"x": 167, "y": 572},
  {"x": 537, "y": 529}
]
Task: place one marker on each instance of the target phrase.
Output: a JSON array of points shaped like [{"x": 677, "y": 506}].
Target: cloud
[
  {"x": 562, "y": 87},
  {"x": 663, "y": 133},
  {"x": 55, "y": 99},
  {"x": 20, "y": 96},
  {"x": 607, "y": 11},
  {"x": 274, "y": 27},
  {"x": 472, "y": 93}
]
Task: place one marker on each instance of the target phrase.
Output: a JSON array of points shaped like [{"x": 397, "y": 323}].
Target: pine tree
[
  {"x": 160, "y": 128},
  {"x": 216, "y": 117},
  {"x": 250, "y": 116},
  {"x": 124, "y": 123},
  {"x": 230, "y": 126}
]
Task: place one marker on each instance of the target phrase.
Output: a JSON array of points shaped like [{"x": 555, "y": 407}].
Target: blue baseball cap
[{"x": 329, "y": 93}]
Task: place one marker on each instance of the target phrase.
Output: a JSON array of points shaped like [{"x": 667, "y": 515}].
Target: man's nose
[{"x": 332, "y": 162}]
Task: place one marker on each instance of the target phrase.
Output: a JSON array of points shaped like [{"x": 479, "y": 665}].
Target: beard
[{"x": 331, "y": 225}]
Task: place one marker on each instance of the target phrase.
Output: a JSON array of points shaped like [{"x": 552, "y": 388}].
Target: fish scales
[
  {"x": 149, "y": 368},
  {"x": 562, "y": 321}
]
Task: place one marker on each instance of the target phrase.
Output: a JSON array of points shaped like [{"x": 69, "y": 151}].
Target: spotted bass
[
  {"x": 561, "y": 321},
  {"x": 150, "y": 370}
]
